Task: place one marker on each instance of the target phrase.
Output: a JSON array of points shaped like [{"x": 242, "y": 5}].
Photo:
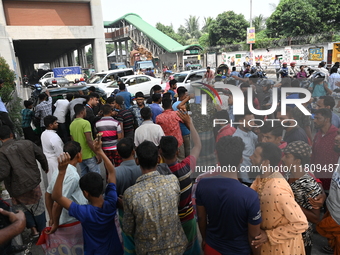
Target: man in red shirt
[
  {"x": 169, "y": 121},
  {"x": 323, "y": 155},
  {"x": 182, "y": 170}
]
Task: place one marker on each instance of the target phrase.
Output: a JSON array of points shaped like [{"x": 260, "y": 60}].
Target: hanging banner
[
  {"x": 250, "y": 35},
  {"x": 336, "y": 52}
]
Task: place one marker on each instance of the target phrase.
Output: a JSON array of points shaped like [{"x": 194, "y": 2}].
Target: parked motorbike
[{"x": 36, "y": 90}]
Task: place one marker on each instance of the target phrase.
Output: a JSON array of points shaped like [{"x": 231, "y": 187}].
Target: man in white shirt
[
  {"x": 59, "y": 215},
  {"x": 61, "y": 110},
  {"x": 148, "y": 130},
  {"x": 52, "y": 144},
  {"x": 321, "y": 68}
]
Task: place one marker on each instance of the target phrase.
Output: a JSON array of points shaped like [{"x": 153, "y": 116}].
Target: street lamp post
[{"x": 251, "y": 24}]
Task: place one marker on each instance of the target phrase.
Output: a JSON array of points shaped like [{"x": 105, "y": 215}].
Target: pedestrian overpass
[{"x": 132, "y": 27}]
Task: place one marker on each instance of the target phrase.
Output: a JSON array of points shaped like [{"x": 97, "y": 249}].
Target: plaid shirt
[
  {"x": 43, "y": 109},
  {"x": 136, "y": 112},
  {"x": 27, "y": 115}
]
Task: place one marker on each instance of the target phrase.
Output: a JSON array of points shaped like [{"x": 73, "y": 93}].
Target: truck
[{"x": 70, "y": 72}]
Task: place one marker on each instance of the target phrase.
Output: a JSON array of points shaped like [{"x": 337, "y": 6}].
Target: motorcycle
[
  {"x": 36, "y": 90},
  {"x": 26, "y": 83}
]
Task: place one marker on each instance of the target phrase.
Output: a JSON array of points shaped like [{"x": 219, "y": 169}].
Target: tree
[
  {"x": 293, "y": 18},
  {"x": 192, "y": 27},
  {"x": 169, "y": 31},
  {"x": 110, "y": 47},
  {"x": 207, "y": 22},
  {"x": 228, "y": 28},
  {"x": 204, "y": 40},
  {"x": 259, "y": 22},
  {"x": 329, "y": 13},
  {"x": 89, "y": 57}
]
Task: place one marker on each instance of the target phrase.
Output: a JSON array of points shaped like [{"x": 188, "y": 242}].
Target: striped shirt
[
  {"x": 110, "y": 129},
  {"x": 128, "y": 119},
  {"x": 183, "y": 170}
]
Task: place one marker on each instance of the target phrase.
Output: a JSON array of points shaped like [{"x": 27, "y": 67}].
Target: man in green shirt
[{"x": 81, "y": 132}]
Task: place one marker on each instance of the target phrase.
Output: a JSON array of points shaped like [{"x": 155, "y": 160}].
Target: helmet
[
  {"x": 82, "y": 79},
  {"x": 257, "y": 62},
  {"x": 284, "y": 63},
  {"x": 319, "y": 75},
  {"x": 54, "y": 81},
  {"x": 76, "y": 80},
  {"x": 292, "y": 63},
  {"x": 247, "y": 75}
]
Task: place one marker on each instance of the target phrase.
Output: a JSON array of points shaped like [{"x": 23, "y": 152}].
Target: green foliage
[
  {"x": 192, "y": 28},
  {"x": 204, "y": 40},
  {"x": 206, "y": 24},
  {"x": 169, "y": 31},
  {"x": 329, "y": 13},
  {"x": 89, "y": 57},
  {"x": 110, "y": 47},
  {"x": 8, "y": 76},
  {"x": 228, "y": 28},
  {"x": 259, "y": 22},
  {"x": 294, "y": 18}
]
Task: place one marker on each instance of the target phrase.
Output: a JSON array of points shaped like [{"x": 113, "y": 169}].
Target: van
[{"x": 105, "y": 79}]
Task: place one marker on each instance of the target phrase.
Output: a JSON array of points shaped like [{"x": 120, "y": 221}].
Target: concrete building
[{"x": 50, "y": 31}]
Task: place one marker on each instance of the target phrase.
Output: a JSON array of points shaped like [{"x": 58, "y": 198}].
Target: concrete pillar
[
  {"x": 99, "y": 47},
  {"x": 61, "y": 61},
  {"x": 80, "y": 57},
  {"x": 85, "y": 59},
  {"x": 116, "y": 51},
  {"x": 127, "y": 59},
  {"x": 65, "y": 60},
  {"x": 121, "y": 52},
  {"x": 71, "y": 58}
]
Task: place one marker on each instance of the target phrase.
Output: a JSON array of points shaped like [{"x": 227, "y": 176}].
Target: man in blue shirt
[
  {"x": 98, "y": 217},
  {"x": 232, "y": 209},
  {"x": 4, "y": 117},
  {"x": 125, "y": 94},
  {"x": 156, "y": 109}
]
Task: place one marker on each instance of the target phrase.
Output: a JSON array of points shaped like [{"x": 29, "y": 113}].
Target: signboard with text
[
  {"x": 250, "y": 35},
  {"x": 315, "y": 54}
]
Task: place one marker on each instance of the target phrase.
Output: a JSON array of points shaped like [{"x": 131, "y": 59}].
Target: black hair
[
  {"x": 322, "y": 64},
  {"x": 110, "y": 100},
  {"x": 172, "y": 82},
  {"x": 5, "y": 132},
  {"x": 156, "y": 97},
  {"x": 92, "y": 88},
  {"x": 42, "y": 96},
  {"x": 166, "y": 103},
  {"x": 289, "y": 111},
  {"x": 125, "y": 147},
  {"x": 122, "y": 86},
  {"x": 233, "y": 68},
  {"x": 139, "y": 94},
  {"x": 27, "y": 103},
  {"x": 107, "y": 109},
  {"x": 245, "y": 85},
  {"x": 147, "y": 154},
  {"x": 274, "y": 128},
  {"x": 169, "y": 146},
  {"x": 69, "y": 97},
  {"x": 78, "y": 108},
  {"x": 145, "y": 113},
  {"x": 223, "y": 114},
  {"x": 92, "y": 183},
  {"x": 286, "y": 82},
  {"x": 72, "y": 148},
  {"x": 156, "y": 88},
  {"x": 304, "y": 159},
  {"x": 229, "y": 150},
  {"x": 270, "y": 152},
  {"x": 324, "y": 112},
  {"x": 49, "y": 119},
  {"x": 181, "y": 91},
  {"x": 328, "y": 101},
  {"x": 167, "y": 95},
  {"x": 92, "y": 95},
  {"x": 334, "y": 69}
]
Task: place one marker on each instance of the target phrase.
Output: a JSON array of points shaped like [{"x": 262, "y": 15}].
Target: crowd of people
[{"x": 171, "y": 174}]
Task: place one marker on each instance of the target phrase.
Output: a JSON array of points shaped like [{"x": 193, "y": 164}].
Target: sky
[{"x": 176, "y": 11}]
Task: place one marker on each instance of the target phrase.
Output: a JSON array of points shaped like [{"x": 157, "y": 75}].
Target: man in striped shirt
[
  {"x": 112, "y": 133},
  {"x": 183, "y": 170}
]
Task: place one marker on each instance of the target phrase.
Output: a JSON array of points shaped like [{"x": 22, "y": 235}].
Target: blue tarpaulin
[{"x": 63, "y": 71}]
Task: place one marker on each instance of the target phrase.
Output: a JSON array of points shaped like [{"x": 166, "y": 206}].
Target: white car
[
  {"x": 136, "y": 83},
  {"x": 186, "y": 77}
]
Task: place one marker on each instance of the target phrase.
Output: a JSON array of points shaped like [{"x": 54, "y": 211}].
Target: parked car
[
  {"x": 136, "y": 83},
  {"x": 59, "y": 93},
  {"x": 186, "y": 77},
  {"x": 109, "y": 78},
  {"x": 62, "y": 82}
]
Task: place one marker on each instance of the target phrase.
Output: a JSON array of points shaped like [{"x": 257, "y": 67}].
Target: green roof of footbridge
[{"x": 161, "y": 39}]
